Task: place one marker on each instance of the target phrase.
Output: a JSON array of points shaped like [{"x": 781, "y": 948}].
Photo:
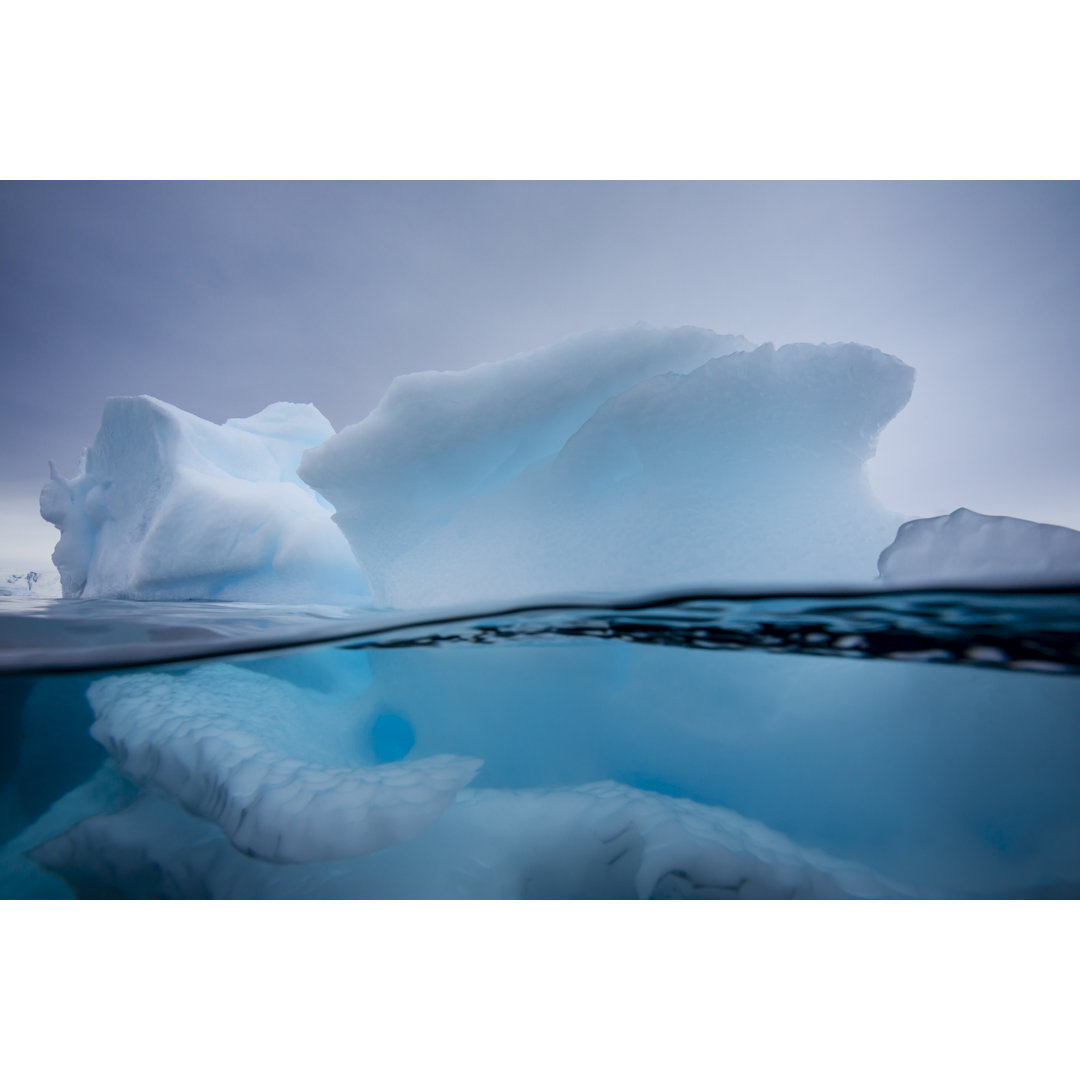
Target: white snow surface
[
  {"x": 624, "y": 460},
  {"x": 276, "y": 769},
  {"x": 168, "y": 506},
  {"x": 969, "y": 548}
]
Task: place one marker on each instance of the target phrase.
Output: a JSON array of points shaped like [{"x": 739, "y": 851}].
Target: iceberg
[
  {"x": 30, "y": 583},
  {"x": 535, "y": 768},
  {"x": 284, "y": 778},
  {"x": 277, "y": 770},
  {"x": 21, "y": 876},
  {"x": 168, "y": 506},
  {"x": 693, "y": 745},
  {"x": 969, "y": 548},
  {"x": 604, "y": 841},
  {"x": 626, "y": 460}
]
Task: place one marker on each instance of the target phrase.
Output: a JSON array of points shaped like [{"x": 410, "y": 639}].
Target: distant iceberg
[
  {"x": 964, "y": 548},
  {"x": 30, "y": 583},
  {"x": 168, "y": 506},
  {"x": 628, "y": 460}
]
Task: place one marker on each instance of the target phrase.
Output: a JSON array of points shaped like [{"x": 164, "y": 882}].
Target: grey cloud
[{"x": 221, "y": 298}]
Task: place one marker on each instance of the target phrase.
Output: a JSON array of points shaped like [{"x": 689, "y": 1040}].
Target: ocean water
[{"x": 707, "y": 746}]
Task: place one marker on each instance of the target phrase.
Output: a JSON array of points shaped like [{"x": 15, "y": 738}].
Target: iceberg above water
[
  {"x": 621, "y": 461},
  {"x": 168, "y": 506},
  {"x": 969, "y": 548},
  {"x": 630, "y": 461}
]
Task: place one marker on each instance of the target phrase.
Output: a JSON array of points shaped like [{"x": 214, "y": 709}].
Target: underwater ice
[
  {"x": 230, "y": 746},
  {"x": 965, "y": 547},
  {"x": 602, "y": 841},
  {"x": 631, "y": 460},
  {"x": 168, "y": 506},
  {"x": 592, "y": 769},
  {"x": 231, "y": 799}
]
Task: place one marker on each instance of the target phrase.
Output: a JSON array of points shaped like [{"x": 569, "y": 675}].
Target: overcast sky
[{"x": 222, "y": 298}]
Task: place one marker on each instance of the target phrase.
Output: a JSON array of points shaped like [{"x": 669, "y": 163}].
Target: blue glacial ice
[
  {"x": 235, "y": 798},
  {"x": 631, "y": 460},
  {"x": 279, "y": 769},
  {"x": 593, "y": 769},
  {"x": 603, "y": 841},
  {"x": 168, "y": 506}
]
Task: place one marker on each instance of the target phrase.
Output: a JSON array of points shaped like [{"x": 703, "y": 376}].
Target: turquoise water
[{"x": 709, "y": 746}]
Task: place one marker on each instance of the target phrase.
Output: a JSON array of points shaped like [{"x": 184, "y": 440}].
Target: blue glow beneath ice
[{"x": 392, "y": 737}]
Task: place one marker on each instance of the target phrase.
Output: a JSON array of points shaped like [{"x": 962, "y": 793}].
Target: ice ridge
[{"x": 218, "y": 741}]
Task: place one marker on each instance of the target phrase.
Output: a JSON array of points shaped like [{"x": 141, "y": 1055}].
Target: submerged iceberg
[
  {"x": 168, "y": 506},
  {"x": 280, "y": 771},
  {"x": 629, "y": 460},
  {"x": 539, "y": 768},
  {"x": 272, "y": 780},
  {"x": 965, "y": 548},
  {"x": 604, "y": 841}
]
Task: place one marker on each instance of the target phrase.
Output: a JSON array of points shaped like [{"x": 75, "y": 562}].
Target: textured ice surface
[
  {"x": 22, "y": 877},
  {"x": 295, "y": 776},
  {"x": 281, "y": 770},
  {"x": 168, "y": 506},
  {"x": 617, "y": 461},
  {"x": 978, "y": 548},
  {"x": 600, "y": 841}
]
